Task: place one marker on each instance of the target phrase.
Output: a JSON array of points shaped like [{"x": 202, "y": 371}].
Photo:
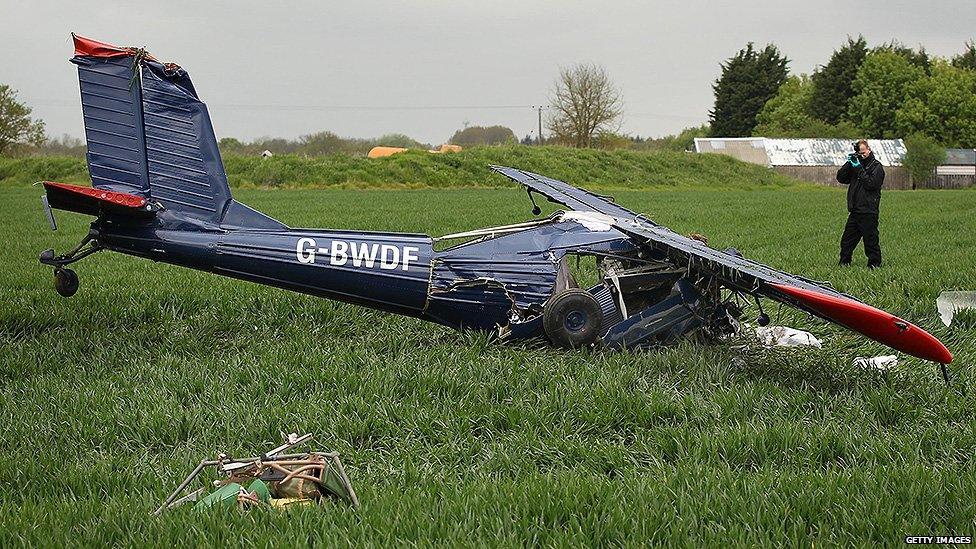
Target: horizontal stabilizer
[{"x": 91, "y": 201}]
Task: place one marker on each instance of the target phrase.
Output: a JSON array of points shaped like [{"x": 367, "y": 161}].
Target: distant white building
[
  {"x": 815, "y": 160},
  {"x": 958, "y": 170}
]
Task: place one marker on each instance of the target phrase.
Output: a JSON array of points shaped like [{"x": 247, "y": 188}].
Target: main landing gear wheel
[
  {"x": 572, "y": 318},
  {"x": 65, "y": 282}
]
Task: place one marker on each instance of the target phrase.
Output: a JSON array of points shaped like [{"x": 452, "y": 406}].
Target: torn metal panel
[
  {"x": 481, "y": 303},
  {"x": 660, "y": 323},
  {"x": 881, "y": 363},
  {"x": 490, "y": 281},
  {"x": 784, "y": 336}
]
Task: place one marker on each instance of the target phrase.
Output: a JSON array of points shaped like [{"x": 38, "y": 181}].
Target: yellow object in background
[
  {"x": 380, "y": 152},
  {"x": 281, "y": 503}
]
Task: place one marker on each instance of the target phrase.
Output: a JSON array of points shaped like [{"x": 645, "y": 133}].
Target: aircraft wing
[
  {"x": 563, "y": 193},
  {"x": 808, "y": 295},
  {"x": 745, "y": 275},
  {"x": 735, "y": 271}
]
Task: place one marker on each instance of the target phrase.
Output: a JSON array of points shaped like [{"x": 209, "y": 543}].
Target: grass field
[{"x": 110, "y": 397}]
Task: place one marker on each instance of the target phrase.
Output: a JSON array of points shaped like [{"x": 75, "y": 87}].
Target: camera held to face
[{"x": 855, "y": 157}]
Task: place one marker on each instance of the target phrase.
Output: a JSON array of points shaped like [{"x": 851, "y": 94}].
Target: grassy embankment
[{"x": 617, "y": 169}]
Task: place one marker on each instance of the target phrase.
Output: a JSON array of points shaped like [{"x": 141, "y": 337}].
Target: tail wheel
[
  {"x": 572, "y": 318},
  {"x": 65, "y": 282}
]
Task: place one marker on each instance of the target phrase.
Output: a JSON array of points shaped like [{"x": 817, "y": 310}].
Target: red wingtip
[
  {"x": 86, "y": 47},
  {"x": 878, "y": 325}
]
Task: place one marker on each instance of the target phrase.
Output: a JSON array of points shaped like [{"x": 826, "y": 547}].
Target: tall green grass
[
  {"x": 469, "y": 168},
  {"x": 109, "y": 398}
]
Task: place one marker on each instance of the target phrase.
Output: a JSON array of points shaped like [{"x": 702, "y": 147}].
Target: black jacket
[{"x": 864, "y": 185}]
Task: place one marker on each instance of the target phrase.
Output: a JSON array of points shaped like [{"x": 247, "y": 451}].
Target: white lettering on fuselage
[{"x": 360, "y": 254}]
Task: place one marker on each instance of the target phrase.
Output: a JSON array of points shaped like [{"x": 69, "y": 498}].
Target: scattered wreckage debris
[
  {"x": 881, "y": 363},
  {"x": 275, "y": 479},
  {"x": 950, "y": 303},
  {"x": 161, "y": 193},
  {"x": 784, "y": 336}
]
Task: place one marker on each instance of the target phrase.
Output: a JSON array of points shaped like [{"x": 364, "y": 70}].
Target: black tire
[
  {"x": 572, "y": 318},
  {"x": 65, "y": 282}
]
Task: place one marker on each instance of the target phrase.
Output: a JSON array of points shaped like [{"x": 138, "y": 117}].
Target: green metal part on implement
[{"x": 311, "y": 476}]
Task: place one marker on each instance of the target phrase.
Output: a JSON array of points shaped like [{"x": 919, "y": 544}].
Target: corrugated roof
[
  {"x": 809, "y": 152},
  {"x": 829, "y": 152},
  {"x": 960, "y": 157}
]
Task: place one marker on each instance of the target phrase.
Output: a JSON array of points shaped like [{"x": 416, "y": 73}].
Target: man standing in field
[{"x": 864, "y": 176}]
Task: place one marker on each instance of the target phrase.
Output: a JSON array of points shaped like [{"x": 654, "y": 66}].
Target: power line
[
  {"x": 661, "y": 115},
  {"x": 259, "y": 106},
  {"x": 364, "y": 107}
]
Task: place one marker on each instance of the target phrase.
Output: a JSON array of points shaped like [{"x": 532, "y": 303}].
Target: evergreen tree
[
  {"x": 918, "y": 58},
  {"x": 966, "y": 59},
  {"x": 832, "y": 89},
  {"x": 748, "y": 80}
]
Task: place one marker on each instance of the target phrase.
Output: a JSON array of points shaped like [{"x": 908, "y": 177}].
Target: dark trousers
[{"x": 859, "y": 226}]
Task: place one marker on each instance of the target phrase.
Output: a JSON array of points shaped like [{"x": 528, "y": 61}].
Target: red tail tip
[{"x": 86, "y": 47}]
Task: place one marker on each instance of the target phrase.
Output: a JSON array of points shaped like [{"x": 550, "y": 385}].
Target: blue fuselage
[{"x": 482, "y": 284}]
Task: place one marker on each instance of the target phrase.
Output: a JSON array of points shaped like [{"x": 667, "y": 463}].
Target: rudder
[{"x": 148, "y": 133}]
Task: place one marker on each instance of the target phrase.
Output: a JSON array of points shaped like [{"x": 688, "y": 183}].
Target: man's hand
[{"x": 854, "y": 159}]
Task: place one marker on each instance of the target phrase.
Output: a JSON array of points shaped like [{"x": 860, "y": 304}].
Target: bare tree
[{"x": 585, "y": 104}]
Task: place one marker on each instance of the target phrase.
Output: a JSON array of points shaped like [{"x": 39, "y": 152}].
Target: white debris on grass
[
  {"x": 784, "y": 336},
  {"x": 948, "y": 303},
  {"x": 882, "y": 363}
]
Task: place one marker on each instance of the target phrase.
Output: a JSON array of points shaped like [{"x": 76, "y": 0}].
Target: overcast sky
[{"x": 425, "y": 68}]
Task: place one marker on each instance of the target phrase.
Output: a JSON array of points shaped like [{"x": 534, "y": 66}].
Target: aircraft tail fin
[{"x": 150, "y": 135}]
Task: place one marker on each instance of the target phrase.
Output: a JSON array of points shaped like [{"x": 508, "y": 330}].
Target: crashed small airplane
[{"x": 160, "y": 193}]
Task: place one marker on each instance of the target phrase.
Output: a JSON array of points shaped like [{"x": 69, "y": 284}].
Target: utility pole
[{"x": 539, "y": 108}]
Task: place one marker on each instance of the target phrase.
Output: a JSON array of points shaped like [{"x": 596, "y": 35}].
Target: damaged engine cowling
[
  {"x": 518, "y": 280},
  {"x": 654, "y": 303}
]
